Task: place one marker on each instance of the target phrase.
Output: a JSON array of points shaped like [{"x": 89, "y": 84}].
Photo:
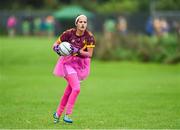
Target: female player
[{"x": 75, "y": 67}]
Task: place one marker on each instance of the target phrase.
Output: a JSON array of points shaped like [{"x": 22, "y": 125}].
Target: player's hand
[
  {"x": 74, "y": 50},
  {"x": 56, "y": 49}
]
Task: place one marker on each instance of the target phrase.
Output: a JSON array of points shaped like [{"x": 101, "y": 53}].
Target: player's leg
[
  {"x": 75, "y": 86},
  {"x": 62, "y": 104}
]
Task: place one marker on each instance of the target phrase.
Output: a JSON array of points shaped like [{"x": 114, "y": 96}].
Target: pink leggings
[{"x": 70, "y": 94}]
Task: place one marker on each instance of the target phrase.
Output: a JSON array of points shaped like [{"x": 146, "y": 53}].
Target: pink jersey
[
  {"x": 11, "y": 22},
  {"x": 75, "y": 64}
]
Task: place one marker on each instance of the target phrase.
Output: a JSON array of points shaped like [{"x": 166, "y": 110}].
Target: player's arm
[
  {"x": 57, "y": 42},
  {"x": 87, "y": 53},
  {"x": 56, "y": 46},
  {"x": 90, "y": 47},
  {"x": 62, "y": 37}
]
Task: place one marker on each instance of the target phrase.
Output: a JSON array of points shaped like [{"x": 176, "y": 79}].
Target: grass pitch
[{"x": 116, "y": 94}]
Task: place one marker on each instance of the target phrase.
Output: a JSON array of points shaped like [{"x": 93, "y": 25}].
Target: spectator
[
  {"x": 164, "y": 27},
  {"x": 37, "y": 26},
  {"x": 43, "y": 27},
  {"x": 11, "y": 25},
  {"x": 50, "y": 25},
  {"x": 176, "y": 28},
  {"x": 149, "y": 27},
  {"x": 161, "y": 27},
  {"x": 110, "y": 25},
  {"x": 109, "y": 29},
  {"x": 109, "y": 34},
  {"x": 26, "y": 27},
  {"x": 122, "y": 25}
]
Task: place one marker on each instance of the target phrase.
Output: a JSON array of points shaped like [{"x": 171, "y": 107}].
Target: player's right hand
[{"x": 56, "y": 49}]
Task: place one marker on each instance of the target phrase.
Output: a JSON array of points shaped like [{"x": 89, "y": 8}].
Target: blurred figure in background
[
  {"x": 149, "y": 26},
  {"x": 176, "y": 26},
  {"x": 36, "y": 26},
  {"x": 122, "y": 25},
  {"x": 11, "y": 25},
  {"x": 164, "y": 27},
  {"x": 43, "y": 27},
  {"x": 157, "y": 26},
  {"x": 109, "y": 32},
  {"x": 161, "y": 27},
  {"x": 50, "y": 23},
  {"x": 109, "y": 28},
  {"x": 26, "y": 27}
]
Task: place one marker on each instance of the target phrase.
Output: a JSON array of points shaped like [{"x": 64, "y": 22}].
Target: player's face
[{"x": 82, "y": 23}]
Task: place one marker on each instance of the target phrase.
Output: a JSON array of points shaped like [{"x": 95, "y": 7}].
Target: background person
[{"x": 11, "y": 25}]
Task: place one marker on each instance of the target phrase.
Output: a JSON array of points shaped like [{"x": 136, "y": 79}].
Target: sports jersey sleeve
[
  {"x": 90, "y": 41},
  {"x": 64, "y": 37}
]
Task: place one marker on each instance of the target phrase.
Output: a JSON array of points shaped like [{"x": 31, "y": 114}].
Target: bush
[{"x": 143, "y": 48}]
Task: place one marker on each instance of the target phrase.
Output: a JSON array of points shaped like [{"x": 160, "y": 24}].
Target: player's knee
[{"x": 77, "y": 89}]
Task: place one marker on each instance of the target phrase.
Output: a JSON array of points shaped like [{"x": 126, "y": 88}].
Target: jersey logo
[
  {"x": 72, "y": 40},
  {"x": 84, "y": 42}
]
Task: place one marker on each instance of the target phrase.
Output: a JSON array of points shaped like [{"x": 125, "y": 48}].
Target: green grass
[{"x": 116, "y": 94}]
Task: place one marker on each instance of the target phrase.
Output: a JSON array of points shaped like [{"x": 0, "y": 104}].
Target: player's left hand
[{"x": 74, "y": 50}]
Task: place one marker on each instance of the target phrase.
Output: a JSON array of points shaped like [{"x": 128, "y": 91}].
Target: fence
[{"x": 136, "y": 22}]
